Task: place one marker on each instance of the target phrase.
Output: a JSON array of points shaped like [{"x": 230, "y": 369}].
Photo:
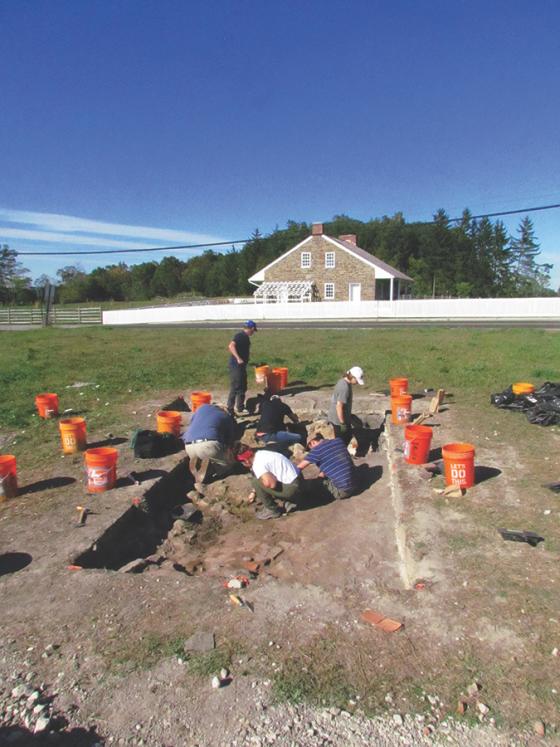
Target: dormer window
[
  {"x": 305, "y": 260},
  {"x": 329, "y": 260}
]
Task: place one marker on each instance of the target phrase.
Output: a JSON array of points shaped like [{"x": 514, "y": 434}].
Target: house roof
[{"x": 370, "y": 259}]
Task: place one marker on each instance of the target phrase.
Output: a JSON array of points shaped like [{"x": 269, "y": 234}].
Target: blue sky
[{"x": 141, "y": 123}]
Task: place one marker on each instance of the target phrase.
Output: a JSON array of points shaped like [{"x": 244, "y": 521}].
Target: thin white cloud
[
  {"x": 71, "y": 224},
  {"x": 66, "y": 238}
]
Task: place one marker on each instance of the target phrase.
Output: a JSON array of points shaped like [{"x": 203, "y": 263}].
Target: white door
[{"x": 355, "y": 292}]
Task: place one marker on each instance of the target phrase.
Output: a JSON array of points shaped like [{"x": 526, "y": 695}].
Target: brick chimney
[
  {"x": 349, "y": 237},
  {"x": 316, "y": 229}
]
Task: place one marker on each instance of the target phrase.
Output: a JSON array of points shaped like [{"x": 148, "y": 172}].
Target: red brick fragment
[
  {"x": 372, "y": 617},
  {"x": 251, "y": 565},
  {"x": 386, "y": 624}
]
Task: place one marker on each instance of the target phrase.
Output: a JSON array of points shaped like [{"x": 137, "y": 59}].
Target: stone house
[{"x": 324, "y": 268}]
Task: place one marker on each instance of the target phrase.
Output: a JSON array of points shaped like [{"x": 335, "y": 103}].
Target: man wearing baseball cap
[
  {"x": 239, "y": 349},
  {"x": 275, "y": 478},
  {"x": 340, "y": 409}
]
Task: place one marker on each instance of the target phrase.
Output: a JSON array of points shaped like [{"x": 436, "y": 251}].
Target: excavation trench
[{"x": 166, "y": 532}]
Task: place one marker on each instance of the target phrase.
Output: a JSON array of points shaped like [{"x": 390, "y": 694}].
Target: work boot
[
  {"x": 268, "y": 513},
  {"x": 289, "y": 507}
]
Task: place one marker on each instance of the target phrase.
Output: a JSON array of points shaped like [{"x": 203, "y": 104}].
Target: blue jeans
[{"x": 282, "y": 437}]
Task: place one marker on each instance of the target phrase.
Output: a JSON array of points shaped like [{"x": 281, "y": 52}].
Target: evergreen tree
[{"x": 530, "y": 277}]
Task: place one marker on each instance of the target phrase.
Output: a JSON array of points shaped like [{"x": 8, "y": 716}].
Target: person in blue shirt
[
  {"x": 239, "y": 349},
  {"x": 332, "y": 458},
  {"x": 208, "y": 443}
]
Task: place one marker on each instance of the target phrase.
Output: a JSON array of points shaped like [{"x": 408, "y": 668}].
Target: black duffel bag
[{"x": 151, "y": 445}]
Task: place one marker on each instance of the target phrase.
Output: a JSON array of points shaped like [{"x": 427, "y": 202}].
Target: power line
[
  {"x": 244, "y": 241},
  {"x": 129, "y": 251},
  {"x": 508, "y": 212}
]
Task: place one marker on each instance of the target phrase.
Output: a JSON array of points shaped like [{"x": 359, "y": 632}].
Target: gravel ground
[{"x": 29, "y": 715}]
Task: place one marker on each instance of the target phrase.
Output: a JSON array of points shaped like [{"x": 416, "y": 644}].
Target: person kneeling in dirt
[
  {"x": 274, "y": 478},
  {"x": 208, "y": 443},
  {"x": 335, "y": 463},
  {"x": 271, "y": 424}
]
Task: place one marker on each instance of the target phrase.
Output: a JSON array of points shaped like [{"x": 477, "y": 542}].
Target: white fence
[
  {"x": 437, "y": 309},
  {"x": 57, "y": 315}
]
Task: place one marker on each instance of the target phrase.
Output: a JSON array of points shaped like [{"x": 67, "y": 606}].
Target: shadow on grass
[
  {"x": 299, "y": 387},
  {"x": 481, "y": 473},
  {"x": 107, "y": 442},
  {"x": 53, "y": 482},
  {"x": 11, "y": 562}
]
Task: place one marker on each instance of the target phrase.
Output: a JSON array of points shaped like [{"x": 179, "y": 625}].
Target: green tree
[
  {"x": 531, "y": 278},
  {"x": 15, "y": 285},
  {"x": 167, "y": 277}
]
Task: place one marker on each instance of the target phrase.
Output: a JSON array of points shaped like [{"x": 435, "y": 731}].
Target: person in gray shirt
[{"x": 340, "y": 408}]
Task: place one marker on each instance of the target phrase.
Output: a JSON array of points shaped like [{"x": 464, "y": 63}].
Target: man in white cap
[{"x": 340, "y": 409}]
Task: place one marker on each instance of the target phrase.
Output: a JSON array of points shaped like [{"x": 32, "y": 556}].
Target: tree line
[{"x": 473, "y": 258}]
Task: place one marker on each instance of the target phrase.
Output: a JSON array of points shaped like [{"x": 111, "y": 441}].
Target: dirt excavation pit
[{"x": 169, "y": 527}]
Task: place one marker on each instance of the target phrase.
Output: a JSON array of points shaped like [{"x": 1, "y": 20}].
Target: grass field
[
  {"x": 125, "y": 365},
  {"x": 495, "y": 614}
]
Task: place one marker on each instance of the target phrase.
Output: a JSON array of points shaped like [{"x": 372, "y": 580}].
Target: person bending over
[
  {"x": 332, "y": 458},
  {"x": 274, "y": 479},
  {"x": 271, "y": 424},
  {"x": 208, "y": 442}
]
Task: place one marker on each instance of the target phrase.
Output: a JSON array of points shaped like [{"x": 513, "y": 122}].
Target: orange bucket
[
  {"x": 398, "y": 386},
  {"x": 261, "y": 374},
  {"x": 418, "y": 439},
  {"x": 401, "y": 408},
  {"x": 169, "y": 421},
  {"x": 274, "y": 382},
  {"x": 458, "y": 461},
  {"x": 73, "y": 435},
  {"x": 283, "y": 373},
  {"x": 523, "y": 387},
  {"x": 47, "y": 405},
  {"x": 200, "y": 398},
  {"x": 8, "y": 477},
  {"x": 101, "y": 468}
]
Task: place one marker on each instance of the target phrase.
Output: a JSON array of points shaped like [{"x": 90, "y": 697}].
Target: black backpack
[{"x": 151, "y": 445}]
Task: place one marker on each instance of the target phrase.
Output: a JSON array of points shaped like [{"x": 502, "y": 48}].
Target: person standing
[
  {"x": 208, "y": 442},
  {"x": 239, "y": 349},
  {"x": 275, "y": 478},
  {"x": 340, "y": 409},
  {"x": 332, "y": 458}
]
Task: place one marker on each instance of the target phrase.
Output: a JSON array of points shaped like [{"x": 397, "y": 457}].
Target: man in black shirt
[
  {"x": 239, "y": 349},
  {"x": 271, "y": 424}
]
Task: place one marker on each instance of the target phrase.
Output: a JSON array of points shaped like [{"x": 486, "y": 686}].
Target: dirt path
[{"x": 109, "y": 645}]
